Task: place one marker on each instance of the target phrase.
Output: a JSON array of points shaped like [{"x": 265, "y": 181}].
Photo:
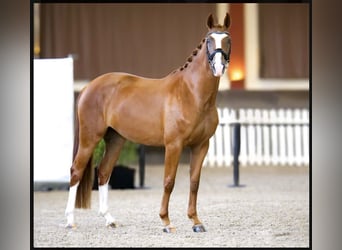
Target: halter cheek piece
[{"x": 219, "y": 50}]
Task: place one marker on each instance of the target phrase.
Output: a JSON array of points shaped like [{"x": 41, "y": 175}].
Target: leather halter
[{"x": 219, "y": 50}]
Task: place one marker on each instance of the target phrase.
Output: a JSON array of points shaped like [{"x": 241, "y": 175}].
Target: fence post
[
  {"x": 219, "y": 139},
  {"x": 289, "y": 117},
  {"x": 266, "y": 137},
  {"x": 274, "y": 137},
  {"x": 227, "y": 117},
  {"x": 258, "y": 137},
  {"x": 306, "y": 133},
  {"x": 251, "y": 137},
  {"x": 236, "y": 150},
  {"x": 298, "y": 138},
  {"x": 282, "y": 138},
  {"x": 241, "y": 116}
]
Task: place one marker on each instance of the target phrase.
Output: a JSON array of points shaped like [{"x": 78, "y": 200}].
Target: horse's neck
[{"x": 200, "y": 80}]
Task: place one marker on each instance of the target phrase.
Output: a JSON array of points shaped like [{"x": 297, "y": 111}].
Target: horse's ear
[
  {"x": 226, "y": 22},
  {"x": 210, "y": 21}
]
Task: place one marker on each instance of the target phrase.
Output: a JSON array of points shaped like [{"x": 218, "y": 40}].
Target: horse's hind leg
[
  {"x": 81, "y": 179},
  {"x": 80, "y": 163},
  {"x": 114, "y": 144}
]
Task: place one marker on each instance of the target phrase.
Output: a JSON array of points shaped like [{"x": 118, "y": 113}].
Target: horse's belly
[
  {"x": 140, "y": 132},
  {"x": 140, "y": 124}
]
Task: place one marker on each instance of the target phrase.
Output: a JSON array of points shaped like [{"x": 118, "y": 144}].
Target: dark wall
[
  {"x": 150, "y": 40},
  {"x": 284, "y": 40}
]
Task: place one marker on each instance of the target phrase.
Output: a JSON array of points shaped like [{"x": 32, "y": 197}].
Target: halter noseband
[{"x": 219, "y": 50}]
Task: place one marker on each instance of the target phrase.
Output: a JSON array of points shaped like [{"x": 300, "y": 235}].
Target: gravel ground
[{"x": 270, "y": 210}]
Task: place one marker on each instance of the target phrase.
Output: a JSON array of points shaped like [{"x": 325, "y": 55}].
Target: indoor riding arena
[
  {"x": 270, "y": 209},
  {"x": 253, "y": 188}
]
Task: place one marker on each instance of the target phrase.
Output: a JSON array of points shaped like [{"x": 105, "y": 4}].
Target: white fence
[{"x": 268, "y": 137}]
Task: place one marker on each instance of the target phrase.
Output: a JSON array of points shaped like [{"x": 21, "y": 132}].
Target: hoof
[
  {"x": 169, "y": 229},
  {"x": 198, "y": 228},
  {"x": 112, "y": 225},
  {"x": 70, "y": 226}
]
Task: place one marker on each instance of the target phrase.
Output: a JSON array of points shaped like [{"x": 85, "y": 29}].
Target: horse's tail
[{"x": 83, "y": 195}]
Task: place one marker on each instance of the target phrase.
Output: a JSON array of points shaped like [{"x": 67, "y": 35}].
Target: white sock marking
[
  {"x": 69, "y": 211},
  {"x": 103, "y": 203}
]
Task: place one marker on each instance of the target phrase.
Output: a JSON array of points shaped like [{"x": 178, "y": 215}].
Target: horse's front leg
[
  {"x": 197, "y": 156},
  {"x": 172, "y": 154}
]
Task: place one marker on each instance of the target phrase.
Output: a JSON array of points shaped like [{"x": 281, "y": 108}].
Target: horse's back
[{"x": 117, "y": 84}]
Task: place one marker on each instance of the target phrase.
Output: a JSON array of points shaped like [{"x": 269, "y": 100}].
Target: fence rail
[{"x": 268, "y": 137}]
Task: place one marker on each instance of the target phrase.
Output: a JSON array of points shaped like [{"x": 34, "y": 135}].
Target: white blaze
[
  {"x": 218, "y": 66},
  {"x": 218, "y": 38},
  {"x": 217, "y": 58}
]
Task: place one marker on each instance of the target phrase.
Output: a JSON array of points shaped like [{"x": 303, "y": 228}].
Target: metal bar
[
  {"x": 141, "y": 150},
  {"x": 236, "y": 150}
]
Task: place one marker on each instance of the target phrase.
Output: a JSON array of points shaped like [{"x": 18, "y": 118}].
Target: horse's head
[{"x": 218, "y": 45}]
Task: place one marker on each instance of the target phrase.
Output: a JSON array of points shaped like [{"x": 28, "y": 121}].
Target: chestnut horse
[{"x": 176, "y": 111}]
